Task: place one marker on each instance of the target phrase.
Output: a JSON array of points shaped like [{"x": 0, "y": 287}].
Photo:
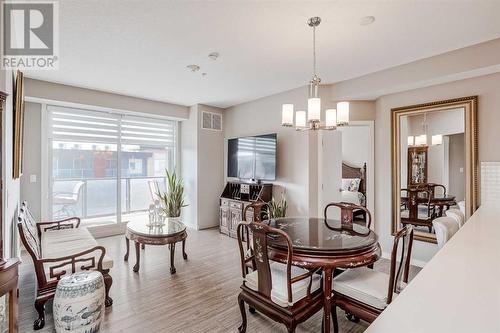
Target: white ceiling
[{"x": 142, "y": 48}]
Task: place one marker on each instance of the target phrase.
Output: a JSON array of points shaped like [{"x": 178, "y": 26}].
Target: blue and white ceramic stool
[{"x": 79, "y": 303}]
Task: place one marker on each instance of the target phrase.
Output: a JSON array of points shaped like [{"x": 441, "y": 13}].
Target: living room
[{"x": 261, "y": 166}]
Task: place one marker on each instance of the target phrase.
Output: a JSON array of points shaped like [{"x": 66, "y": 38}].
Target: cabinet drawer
[
  {"x": 224, "y": 202},
  {"x": 236, "y": 205}
]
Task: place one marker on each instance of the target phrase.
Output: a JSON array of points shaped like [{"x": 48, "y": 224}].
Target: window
[{"x": 98, "y": 157}]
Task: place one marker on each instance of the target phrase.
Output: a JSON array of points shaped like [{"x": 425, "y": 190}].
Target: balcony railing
[{"x": 98, "y": 196}]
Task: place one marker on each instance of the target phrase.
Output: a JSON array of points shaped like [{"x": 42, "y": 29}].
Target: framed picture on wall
[{"x": 18, "y": 117}]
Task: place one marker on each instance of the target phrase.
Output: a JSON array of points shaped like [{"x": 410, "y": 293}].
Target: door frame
[{"x": 370, "y": 168}]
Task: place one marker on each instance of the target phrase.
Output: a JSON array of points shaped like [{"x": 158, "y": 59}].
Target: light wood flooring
[{"x": 200, "y": 297}]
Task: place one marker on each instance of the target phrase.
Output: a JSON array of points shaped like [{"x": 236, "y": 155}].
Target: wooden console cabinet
[{"x": 233, "y": 201}]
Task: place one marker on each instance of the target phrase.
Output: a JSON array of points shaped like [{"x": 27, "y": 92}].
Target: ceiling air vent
[{"x": 212, "y": 121}]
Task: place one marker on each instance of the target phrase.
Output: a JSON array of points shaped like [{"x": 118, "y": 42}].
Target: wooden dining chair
[
  {"x": 346, "y": 212},
  {"x": 420, "y": 211},
  {"x": 445, "y": 228},
  {"x": 281, "y": 291},
  {"x": 364, "y": 292}
]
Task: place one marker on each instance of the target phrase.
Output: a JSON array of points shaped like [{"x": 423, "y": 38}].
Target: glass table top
[
  {"x": 170, "y": 227},
  {"x": 318, "y": 234}
]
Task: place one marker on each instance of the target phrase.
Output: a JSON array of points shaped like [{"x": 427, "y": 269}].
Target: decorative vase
[{"x": 79, "y": 303}]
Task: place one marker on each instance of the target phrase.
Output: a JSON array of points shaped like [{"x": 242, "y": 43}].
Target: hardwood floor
[{"x": 200, "y": 297}]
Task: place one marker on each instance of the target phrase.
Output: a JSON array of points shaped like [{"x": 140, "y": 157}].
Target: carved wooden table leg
[
  {"x": 172, "y": 257},
  {"x": 184, "y": 255},
  {"x": 127, "y": 242},
  {"x": 327, "y": 296},
  {"x": 137, "y": 256}
]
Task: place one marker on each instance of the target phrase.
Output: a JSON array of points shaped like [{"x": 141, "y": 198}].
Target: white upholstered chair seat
[
  {"x": 457, "y": 215},
  {"x": 445, "y": 227},
  {"x": 279, "y": 294},
  {"x": 64, "y": 242},
  {"x": 364, "y": 285}
]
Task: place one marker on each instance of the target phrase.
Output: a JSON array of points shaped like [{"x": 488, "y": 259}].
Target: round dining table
[{"x": 326, "y": 244}]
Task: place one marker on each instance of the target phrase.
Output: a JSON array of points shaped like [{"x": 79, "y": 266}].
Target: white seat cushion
[
  {"x": 365, "y": 285},
  {"x": 61, "y": 243},
  {"x": 279, "y": 293}
]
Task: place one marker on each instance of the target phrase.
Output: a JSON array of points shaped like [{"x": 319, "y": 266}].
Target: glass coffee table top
[{"x": 171, "y": 226}]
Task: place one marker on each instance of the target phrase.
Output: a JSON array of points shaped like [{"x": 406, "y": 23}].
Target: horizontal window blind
[
  {"x": 147, "y": 131},
  {"x": 70, "y": 124}
]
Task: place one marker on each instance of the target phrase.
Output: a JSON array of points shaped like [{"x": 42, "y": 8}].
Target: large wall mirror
[{"x": 434, "y": 163}]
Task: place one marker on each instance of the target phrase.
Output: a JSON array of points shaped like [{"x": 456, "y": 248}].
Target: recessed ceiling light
[
  {"x": 193, "y": 68},
  {"x": 213, "y": 55},
  {"x": 367, "y": 20}
]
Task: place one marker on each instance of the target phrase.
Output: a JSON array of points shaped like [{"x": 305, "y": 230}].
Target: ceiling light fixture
[
  {"x": 367, "y": 20},
  {"x": 312, "y": 120},
  {"x": 193, "y": 68},
  {"x": 214, "y": 55}
]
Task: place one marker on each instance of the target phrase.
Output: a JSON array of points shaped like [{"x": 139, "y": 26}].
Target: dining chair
[
  {"x": 346, "y": 212},
  {"x": 457, "y": 215},
  {"x": 281, "y": 291},
  {"x": 364, "y": 292},
  {"x": 445, "y": 228},
  {"x": 420, "y": 211}
]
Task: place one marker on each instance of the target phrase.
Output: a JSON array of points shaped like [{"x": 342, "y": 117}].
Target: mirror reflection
[{"x": 432, "y": 166}]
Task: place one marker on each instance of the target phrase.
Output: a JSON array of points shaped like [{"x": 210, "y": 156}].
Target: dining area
[{"x": 293, "y": 268}]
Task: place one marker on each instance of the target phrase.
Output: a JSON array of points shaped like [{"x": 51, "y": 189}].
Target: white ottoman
[{"x": 79, "y": 303}]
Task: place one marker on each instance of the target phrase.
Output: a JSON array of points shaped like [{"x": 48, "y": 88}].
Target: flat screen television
[{"x": 252, "y": 157}]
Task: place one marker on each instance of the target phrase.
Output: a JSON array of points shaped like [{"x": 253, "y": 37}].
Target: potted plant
[
  {"x": 277, "y": 209},
  {"x": 173, "y": 199}
]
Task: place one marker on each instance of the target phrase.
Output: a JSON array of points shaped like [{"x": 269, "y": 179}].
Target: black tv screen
[{"x": 252, "y": 157}]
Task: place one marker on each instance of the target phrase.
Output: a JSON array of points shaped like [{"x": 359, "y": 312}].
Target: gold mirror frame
[{"x": 471, "y": 163}]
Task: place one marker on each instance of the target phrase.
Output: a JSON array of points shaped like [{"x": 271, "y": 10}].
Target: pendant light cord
[{"x": 314, "y": 50}]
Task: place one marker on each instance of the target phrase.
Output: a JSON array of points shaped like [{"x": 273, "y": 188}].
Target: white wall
[
  {"x": 356, "y": 142},
  {"x": 202, "y": 168},
  {"x": 11, "y": 186},
  {"x": 49, "y": 91},
  {"x": 189, "y": 166},
  {"x": 210, "y": 170}
]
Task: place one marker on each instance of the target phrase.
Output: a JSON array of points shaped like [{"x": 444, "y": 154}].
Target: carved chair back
[
  {"x": 432, "y": 189},
  {"x": 257, "y": 255},
  {"x": 28, "y": 231},
  {"x": 400, "y": 261},
  {"x": 415, "y": 195},
  {"x": 346, "y": 212}
]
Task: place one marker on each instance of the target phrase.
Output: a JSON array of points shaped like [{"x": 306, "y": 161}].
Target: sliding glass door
[{"x": 98, "y": 157}]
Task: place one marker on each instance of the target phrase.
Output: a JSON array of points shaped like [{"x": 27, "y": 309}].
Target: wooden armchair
[
  {"x": 59, "y": 248},
  {"x": 365, "y": 293},
  {"x": 285, "y": 293}
]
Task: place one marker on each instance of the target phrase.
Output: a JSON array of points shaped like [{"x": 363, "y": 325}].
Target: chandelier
[
  {"x": 312, "y": 119},
  {"x": 421, "y": 140}
]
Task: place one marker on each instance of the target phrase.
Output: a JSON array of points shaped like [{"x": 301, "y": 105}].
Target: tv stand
[{"x": 235, "y": 198}]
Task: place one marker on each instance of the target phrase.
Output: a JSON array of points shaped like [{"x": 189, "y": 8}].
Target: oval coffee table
[{"x": 171, "y": 232}]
